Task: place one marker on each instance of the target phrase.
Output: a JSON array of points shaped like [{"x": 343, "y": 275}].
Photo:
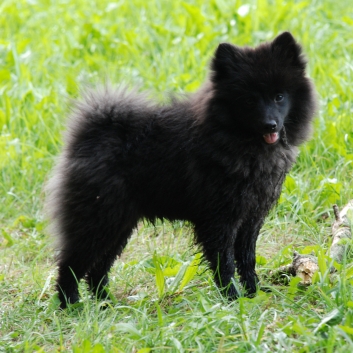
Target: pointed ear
[
  {"x": 285, "y": 47},
  {"x": 225, "y": 51},
  {"x": 225, "y": 61}
]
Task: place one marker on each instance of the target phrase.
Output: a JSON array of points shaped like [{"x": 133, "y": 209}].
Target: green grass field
[{"x": 162, "y": 298}]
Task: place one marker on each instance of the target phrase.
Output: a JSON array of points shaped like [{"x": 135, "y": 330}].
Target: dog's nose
[{"x": 271, "y": 126}]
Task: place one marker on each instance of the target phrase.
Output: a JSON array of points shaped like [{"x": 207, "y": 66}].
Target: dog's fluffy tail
[
  {"x": 106, "y": 104},
  {"x": 95, "y": 112}
]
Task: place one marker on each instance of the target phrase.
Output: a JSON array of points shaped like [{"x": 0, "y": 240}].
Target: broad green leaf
[
  {"x": 346, "y": 329},
  {"x": 158, "y": 275},
  {"x": 190, "y": 271}
]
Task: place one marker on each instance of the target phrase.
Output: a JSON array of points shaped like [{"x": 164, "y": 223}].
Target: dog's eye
[{"x": 279, "y": 97}]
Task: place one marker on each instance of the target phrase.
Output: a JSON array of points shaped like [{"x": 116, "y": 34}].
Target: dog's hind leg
[
  {"x": 97, "y": 276},
  {"x": 73, "y": 265},
  {"x": 90, "y": 258},
  {"x": 92, "y": 235}
]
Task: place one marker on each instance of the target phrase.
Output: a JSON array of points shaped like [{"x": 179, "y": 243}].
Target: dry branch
[
  {"x": 341, "y": 232},
  {"x": 304, "y": 266}
]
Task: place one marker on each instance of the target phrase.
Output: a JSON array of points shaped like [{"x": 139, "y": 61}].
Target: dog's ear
[
  {"x": 225, "y": 51},
  {"x": 226, "y": 60},
  {"x": 287, "y": 49}
]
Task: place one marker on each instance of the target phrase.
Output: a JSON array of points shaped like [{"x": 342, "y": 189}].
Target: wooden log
[{"x": 303, "y": 266}]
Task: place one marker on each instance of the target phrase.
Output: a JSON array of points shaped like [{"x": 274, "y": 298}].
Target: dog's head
[{"x": 258, "y": 91}]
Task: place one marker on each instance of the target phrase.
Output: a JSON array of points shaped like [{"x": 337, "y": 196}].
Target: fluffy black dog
[{"x": 217, "y": 159}]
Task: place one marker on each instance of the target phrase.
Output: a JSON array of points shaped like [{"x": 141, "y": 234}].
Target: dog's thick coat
[{"x": 217, "y": 159}]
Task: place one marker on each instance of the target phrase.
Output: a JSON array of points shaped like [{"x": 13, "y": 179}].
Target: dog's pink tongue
[{"x": 271, "y": 138}]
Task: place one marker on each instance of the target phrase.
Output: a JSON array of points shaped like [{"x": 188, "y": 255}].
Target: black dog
[{"x": 217, "y": 159}]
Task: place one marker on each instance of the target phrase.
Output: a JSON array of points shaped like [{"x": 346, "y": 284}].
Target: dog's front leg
[
  {"x": 245, "y": 254},
  {"x": 218, "y": 247}
]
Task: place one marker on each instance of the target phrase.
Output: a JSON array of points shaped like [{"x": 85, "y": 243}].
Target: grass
[{"x": 162, "y": 301}]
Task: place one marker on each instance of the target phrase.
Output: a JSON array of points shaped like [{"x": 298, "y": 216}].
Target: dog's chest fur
[{"x": 244, "y": 181}]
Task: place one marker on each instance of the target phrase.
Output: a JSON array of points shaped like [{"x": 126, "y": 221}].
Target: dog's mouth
[{"x": 271, "y": 137}]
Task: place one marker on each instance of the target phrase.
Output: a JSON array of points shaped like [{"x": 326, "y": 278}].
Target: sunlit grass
[{"x": 48, "y": 50}]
